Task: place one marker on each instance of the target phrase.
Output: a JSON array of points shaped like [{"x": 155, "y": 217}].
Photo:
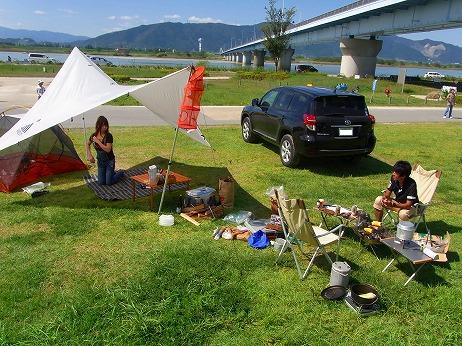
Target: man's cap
[{"x": 40, "y": 81}]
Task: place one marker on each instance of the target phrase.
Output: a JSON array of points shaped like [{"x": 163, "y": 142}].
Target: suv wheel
[
  {"x": 289, "y": 156},
  {"x": 247, "y": 132}
]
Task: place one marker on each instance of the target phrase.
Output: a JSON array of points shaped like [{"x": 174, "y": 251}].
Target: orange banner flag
[{"x": 191, "y": 105}]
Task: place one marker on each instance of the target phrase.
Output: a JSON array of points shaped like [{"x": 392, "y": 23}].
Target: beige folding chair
[
  {"x": 427, "y": 182},
  {"x": 300, "y": 231}
]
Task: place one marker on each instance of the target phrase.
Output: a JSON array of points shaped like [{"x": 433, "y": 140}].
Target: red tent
[{"x": 47, "y": 153}]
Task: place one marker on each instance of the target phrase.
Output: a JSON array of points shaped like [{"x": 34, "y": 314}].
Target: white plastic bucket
[
  {"x": 166, "y": 220},
  {"x": 340, "y": 274}
]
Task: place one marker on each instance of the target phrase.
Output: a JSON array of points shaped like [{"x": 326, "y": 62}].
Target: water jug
[{"x": 152, "y": 174}]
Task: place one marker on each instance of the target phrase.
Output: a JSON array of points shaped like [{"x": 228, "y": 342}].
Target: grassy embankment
[{"x": 79, "y": 270}]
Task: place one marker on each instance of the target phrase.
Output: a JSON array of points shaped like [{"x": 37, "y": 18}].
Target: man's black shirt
[{"x": 405, "y": 193}]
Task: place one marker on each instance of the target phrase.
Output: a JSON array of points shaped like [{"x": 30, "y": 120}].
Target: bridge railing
[
  {"x": 314, "y": 19},
  {"x": 334, "y": 12}
]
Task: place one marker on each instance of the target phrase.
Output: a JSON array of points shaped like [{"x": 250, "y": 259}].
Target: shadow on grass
[
  {"x": 338, "y": 166},
  {"x": 83, "y": 197}
]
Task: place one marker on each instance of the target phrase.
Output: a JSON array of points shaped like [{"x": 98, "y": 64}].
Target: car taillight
[
  {"x": 310, "y": 121},
  {"x": 372, "y": 119}
]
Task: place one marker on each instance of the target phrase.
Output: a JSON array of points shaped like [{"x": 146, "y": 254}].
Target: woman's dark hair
[
  {"x": 403, "y": 168},
  {"x": 99, "y": 124}
]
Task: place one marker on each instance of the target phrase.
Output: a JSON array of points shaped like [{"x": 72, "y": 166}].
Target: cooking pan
[
  {"x": 359, "y": 289},
  {"x": 333, "y": 292}
]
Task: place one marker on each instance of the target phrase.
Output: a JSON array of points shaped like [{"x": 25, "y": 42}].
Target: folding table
[
  {"x": 179, "y": 182},
  {"x": 409, "y": 250}
]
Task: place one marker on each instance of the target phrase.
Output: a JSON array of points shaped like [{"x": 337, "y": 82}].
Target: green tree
[{"x": 275, "y": 28}]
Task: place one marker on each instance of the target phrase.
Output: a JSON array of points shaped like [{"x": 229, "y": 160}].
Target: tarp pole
[
  {"x": 168, "y": 171},
  {"x": 84, "y": 130}
]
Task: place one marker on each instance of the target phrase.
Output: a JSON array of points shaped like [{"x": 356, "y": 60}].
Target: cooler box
[{"x": 201, "y": 195}]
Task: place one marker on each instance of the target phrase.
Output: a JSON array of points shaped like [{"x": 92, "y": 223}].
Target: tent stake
[{"x": 168, "y": 171}]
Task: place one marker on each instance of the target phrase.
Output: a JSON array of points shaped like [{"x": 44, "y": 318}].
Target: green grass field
[
  {"x": 77, "y": 270},
  {"x": 235, "y": 91}
]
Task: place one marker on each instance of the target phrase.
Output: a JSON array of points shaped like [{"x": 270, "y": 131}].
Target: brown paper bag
[{"x": 226, "y": 191}]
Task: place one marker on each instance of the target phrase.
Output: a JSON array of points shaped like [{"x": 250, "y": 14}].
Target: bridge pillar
[
  {"x": 285, "y": 60},
  {"x": 359, "y": 57},
  {"x": 259, "y": 57},
  {"x": 233, "y": 57},
  {"x": 239, "y": 57},
  {"x": 246, "y": 58}
]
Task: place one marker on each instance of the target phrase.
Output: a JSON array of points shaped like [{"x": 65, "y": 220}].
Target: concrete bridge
[{"x": 357, "y": 27}]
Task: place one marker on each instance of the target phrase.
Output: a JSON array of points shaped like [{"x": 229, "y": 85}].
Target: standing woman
[{"x": 102, "y": 142}]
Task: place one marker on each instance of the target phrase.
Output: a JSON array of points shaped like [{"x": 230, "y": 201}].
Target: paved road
[
  {"x": 21, "y": 91},
  {"x": 225, "y": 115}
]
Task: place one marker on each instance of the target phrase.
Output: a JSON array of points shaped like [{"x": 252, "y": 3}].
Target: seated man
[{"x": 405, "y": 190}]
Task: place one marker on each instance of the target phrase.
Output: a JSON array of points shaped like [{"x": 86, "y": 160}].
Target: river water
[{"x": 324, "y": 68}]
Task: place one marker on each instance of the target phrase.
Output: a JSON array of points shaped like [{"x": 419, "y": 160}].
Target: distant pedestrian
[
  {"x": 40, "y": 89},
  {"x": 451, "y": 101}
]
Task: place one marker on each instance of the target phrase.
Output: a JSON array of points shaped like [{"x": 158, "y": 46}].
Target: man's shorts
[{"x": 403, "y": 214}]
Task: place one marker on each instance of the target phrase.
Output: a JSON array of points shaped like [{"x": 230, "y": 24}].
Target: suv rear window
[{"x": 340, "y": 105}]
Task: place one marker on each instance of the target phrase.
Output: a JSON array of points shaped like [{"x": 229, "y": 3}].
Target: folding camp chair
[
  {"x": 299, "y": 230},
  {"x": 427, "y": 182}
]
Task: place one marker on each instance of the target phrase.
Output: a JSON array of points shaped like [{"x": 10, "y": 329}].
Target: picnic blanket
[{"x": 119, "y": 191}]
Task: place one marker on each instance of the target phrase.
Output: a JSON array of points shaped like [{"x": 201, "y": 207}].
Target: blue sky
[{"x": 96, "y": 17}]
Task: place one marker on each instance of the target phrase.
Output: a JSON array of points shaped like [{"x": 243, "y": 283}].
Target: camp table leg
[
  {"x": 415, "y": 272},
  {"x": 389, "y": 264}
]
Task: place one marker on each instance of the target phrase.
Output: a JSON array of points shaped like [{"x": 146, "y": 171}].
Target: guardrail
[{"x": 334, "y": 12}]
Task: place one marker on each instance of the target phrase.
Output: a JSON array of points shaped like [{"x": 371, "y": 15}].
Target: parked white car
[
  {"x": 101, "y": 61},
  {"x": 433, "y": 75},
  {"x": 448, "y": 88},
  {"x": 41, "y": 58}
]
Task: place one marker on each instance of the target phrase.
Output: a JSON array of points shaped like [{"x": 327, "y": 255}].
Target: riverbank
[{"x": 236, "y": 92}]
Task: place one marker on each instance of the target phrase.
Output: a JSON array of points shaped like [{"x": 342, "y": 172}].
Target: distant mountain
[
  {"x": 178, "y": 36},
  {"x": 39, "y": 36},
  {"x": 216, "y": 36}
]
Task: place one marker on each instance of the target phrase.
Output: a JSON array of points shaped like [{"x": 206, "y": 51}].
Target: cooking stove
[{"x": 363, "y": 310}]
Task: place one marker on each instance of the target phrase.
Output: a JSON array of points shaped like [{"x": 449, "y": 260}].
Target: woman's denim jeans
[{"x": 106, "y": 173}]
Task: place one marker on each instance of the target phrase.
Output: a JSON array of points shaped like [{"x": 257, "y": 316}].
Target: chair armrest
[{"x": 334, "y": 230}]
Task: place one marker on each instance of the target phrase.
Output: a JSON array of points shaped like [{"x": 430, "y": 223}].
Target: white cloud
[
  {"x": 194, "y": 19},
  {"x": 125, "y": 18},
  {"x": 128, "y": 18},
  {"x": 67, "y": 11},
  {"x": 172, "y": 17},
  {"x": 39, "y": 12}
]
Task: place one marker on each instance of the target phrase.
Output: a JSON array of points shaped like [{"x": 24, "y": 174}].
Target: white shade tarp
[
  {"x": 163, "y": 97},
  {"x": 80, "y": 85}
]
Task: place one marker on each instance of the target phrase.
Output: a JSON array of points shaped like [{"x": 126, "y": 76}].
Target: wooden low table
[{"x": 180, "y": 182}]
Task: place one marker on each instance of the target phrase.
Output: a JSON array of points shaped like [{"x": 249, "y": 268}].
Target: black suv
[{"x": 310, "y": 122}]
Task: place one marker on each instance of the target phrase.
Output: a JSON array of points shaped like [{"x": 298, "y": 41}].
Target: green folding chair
[{"x": 299, "y": 231}]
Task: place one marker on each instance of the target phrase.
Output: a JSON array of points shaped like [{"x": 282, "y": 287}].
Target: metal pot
[
  {"x": 359, "y": 289},
  {"x": 405, "y": 230}
]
